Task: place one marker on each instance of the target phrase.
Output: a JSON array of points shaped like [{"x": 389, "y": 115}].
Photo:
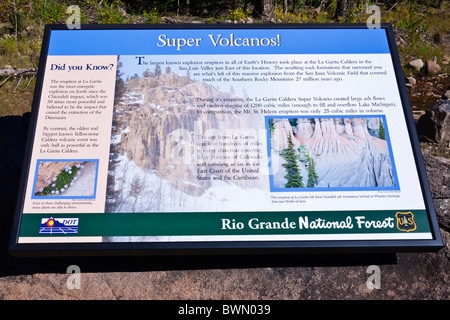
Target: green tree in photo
[
  {"x": 382, "y": 132},
  {"x": 293, "y": 176},
  {"x": 312, "y": 174},
  {"x": 158, "y": 71},
  {"x": 310, "y": 165},
  {"x": 120, "y": 84},
  {"x": 271, "y": 127},
  {"x": 302, "y": 153}
]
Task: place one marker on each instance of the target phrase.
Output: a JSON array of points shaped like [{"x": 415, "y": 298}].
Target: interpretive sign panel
[{"x": 222, "y": 139}]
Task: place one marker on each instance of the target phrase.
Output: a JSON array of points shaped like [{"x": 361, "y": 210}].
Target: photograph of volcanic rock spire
[{"x": 330, "y": 153}]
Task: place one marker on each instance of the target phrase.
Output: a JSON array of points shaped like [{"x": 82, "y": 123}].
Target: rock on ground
[
  {"x": 417, "y": 64},
  {"x": 432, "y": 66},
  {"x": 434, "y": 125},
  {"x": 438, "y": 172}
]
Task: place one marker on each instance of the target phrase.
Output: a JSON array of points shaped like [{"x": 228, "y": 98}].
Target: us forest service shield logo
[{"x": 405, "y": 221}]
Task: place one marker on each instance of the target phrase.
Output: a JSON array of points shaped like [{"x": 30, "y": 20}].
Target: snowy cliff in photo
[{"x": 163, "y": 155}]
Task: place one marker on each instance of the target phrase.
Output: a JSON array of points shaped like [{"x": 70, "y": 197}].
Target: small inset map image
[{"x": 68, "y": 179}]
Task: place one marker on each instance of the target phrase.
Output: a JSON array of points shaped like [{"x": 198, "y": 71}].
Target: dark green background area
[{"x": 210, "y": 223}]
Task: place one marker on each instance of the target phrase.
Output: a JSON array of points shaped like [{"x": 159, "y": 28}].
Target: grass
[
  {"x": 420, "y": 27},
  {"x": 239, "y": 14},
  {"x": 16, "y": 94},
  {"x": 18, "y": 102}
]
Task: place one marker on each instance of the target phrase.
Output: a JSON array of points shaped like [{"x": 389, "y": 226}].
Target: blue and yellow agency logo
[
  {"x": 405, "y": 221},
  {"x": 59, "y": 226}
]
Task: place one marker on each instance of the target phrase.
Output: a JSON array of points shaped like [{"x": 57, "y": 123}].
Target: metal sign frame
[{"x": 266, "y": 243}]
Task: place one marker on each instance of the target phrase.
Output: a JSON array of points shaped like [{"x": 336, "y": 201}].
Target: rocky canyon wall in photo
[
  {"x": 345, "y": 152},
  {"x": 165, "y": 125}
]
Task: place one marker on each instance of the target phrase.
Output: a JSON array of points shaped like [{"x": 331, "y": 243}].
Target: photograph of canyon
[{"x": 330, "y": 153}]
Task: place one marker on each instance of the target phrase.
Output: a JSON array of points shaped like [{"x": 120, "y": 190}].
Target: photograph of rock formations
[
  {"x": 159, "y": 124},
  {"x": 330, "y": 153}
]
